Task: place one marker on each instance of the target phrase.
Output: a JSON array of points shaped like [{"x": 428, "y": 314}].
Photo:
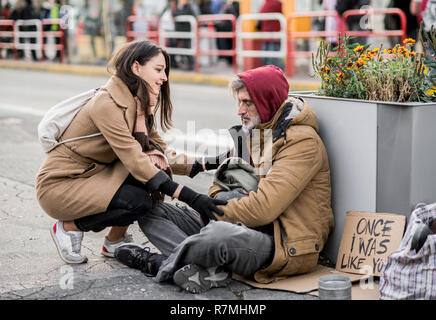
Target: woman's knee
[{"x": 131, "y": 198}]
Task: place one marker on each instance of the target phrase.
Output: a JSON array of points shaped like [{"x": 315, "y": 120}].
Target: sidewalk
[{"x": 217, "y": 75}]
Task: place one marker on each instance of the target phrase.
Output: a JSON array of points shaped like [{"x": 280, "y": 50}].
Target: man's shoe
[
  {"x": 68, "y": 243},
  {"x": 109, "y": 247},
  {"x": 196, "y": 279},
  {"x": 139, "y": 257}
]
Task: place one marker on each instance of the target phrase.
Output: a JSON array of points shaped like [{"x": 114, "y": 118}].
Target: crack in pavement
[{"x": 16, "y": 181}]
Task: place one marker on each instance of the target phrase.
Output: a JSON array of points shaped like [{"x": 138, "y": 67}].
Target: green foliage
[{"x": 353, "y": 71}]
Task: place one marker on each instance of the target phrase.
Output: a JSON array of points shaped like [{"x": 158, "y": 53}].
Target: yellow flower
[
  {"x": 358, "y": 49},
  {"x": 375, "y": 50},
  {"x": 340, "y": 76},
  {"x": 408, "y": 41},
  {"x": 360, "y": 62}
]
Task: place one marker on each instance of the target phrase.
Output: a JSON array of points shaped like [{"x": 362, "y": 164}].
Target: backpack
[{"x": 59, "y": 117}]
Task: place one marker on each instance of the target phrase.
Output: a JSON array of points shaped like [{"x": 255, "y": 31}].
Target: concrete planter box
[{"x": 382, "y": 156}]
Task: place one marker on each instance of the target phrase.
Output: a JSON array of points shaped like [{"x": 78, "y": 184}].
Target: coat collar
[
  {"x": 120, "y": 92},
  {"x": 123, "y": 98}
]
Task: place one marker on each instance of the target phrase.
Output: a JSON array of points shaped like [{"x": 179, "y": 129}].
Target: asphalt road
[{"x": 29, "y": 265}]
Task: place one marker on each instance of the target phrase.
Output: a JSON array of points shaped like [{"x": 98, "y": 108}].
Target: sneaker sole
[
  {"x": 194, "y": 279},
  {"x": 107, "y": 254},
  {"x": 53, "y": 236}
]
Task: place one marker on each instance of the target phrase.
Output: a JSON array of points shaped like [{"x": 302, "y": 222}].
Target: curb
[{"x": 176, "y": 76}]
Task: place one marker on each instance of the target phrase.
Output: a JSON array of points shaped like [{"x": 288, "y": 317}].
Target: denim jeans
[
  {"x": 178, "y": 233},
  {"x": 272, "y": 46}
]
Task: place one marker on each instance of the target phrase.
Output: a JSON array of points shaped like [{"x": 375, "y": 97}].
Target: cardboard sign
[{"x": 368, "y": 239}]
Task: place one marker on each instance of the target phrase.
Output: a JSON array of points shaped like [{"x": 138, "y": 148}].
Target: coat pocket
[
  {"x": 91, "y": 170},
  {"x": 302, "y": 256}
]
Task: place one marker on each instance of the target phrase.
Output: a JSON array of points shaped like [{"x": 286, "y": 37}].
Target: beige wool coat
[
  {"x": 80, "y": 178},
  {"x": 294, "y": 192}
]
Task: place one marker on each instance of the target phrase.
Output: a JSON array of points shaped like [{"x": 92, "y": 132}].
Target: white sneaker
[
  {"x": 68, "y": 243},
  {"x": 109, "y": 247}
]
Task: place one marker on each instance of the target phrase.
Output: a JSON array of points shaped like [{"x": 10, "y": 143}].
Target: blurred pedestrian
[
  {"x": 92, "y": 22},
  {"x": 354, "y": 23},
  {"x": 167, "y": 23},
  {"x": 116, "y": 177},
  {"x": 44, "y": 13},
  {"x": 270, "y": 6},
  {"x": 428, "y": 11},
  {"x": 6, "y": 9},
  {"x": 204, "y": 6},
  {"x": 184, "y": 8},
  {"x": 230, "y": 7},
  {"x": 5, "y": 14},
  {"x": 393, "y": 22},
  {"x": 216, "y": 6},
  {"x": 330, "y": 22},
  {"x": 24, "y": 10},
  {"x": 428, "y": 21},
  {"x": 55, "y": 13}
]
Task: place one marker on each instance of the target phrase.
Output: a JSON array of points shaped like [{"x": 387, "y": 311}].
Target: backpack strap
[{"x": 79, "y": 138}]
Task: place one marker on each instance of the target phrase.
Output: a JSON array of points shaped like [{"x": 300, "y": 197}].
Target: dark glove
[
  {"x": 161, "y": 182},
  {"x": 210, "y": 163},
  {"x": 201, "y": 203}
]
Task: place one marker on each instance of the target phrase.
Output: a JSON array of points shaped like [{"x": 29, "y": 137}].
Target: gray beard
[{"x": 247, "y": 128}]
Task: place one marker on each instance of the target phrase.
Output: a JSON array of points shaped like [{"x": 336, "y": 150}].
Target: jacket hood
[
  {"x": 267, "y": 87},
  {"x": 294, "y": 111}
]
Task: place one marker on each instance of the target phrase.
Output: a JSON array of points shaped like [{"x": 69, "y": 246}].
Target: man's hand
[{"x": 201, "y": 203}]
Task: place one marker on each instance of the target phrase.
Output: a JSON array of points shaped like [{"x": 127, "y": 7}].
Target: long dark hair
[{"x": 121, "y": 65}]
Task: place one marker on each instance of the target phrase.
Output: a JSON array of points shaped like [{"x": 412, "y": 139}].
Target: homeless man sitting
[{"x": 275, "y": 230}]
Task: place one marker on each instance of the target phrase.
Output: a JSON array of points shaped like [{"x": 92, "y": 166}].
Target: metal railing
[
  {"x": 7, "y": 37},
  {"x": 152, "y": 32},
  {"x": 35, "y": 40},
  {"x": 191, "y": 35},
  {"x": 208, "y": 20},
  {"x": 371, "y": 33},
  {"x": 57, "y": 35},
  {"x": 294, "y": 35}
]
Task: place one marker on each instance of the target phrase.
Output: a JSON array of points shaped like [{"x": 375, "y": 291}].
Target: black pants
[{"x": 129, "y": 203}]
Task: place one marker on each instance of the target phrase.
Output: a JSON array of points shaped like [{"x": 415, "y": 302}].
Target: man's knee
[{"x": 223, "y": 234}]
